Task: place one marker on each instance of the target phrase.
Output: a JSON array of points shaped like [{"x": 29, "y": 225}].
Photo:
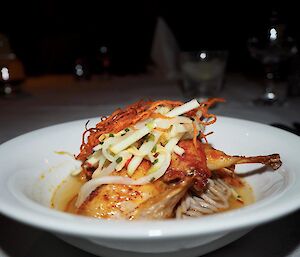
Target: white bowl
[{"x": 30, "y": 172}]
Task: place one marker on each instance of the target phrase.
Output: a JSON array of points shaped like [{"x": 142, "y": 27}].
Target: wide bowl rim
[{"x": 59, "y": 222}]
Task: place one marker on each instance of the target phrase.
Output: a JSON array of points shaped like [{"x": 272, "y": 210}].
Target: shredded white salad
[{"x": 152, "y": 139}]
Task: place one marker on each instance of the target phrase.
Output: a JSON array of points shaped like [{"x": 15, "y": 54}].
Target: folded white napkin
[{"x": 165, "y": 50}]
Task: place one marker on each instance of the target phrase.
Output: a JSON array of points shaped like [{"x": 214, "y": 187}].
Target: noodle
[{"x": 214, "y": 199}]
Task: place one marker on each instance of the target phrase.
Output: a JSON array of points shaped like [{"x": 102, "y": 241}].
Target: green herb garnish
[
  {"x": 119, "y": 160},
  {"x": 111, "y": 135},
  {"x": 154, "y": 149},
  {"x": 155, "y": 161},
  {"x": 150, "y": 137},
  {"x": 127, "y": 129}
]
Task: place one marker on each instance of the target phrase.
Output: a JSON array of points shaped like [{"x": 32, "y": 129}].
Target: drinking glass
[
  {"x": 11, "y": 69},
  {"x": 272, "y": 48},
  {"x": 202, "y": 73}
]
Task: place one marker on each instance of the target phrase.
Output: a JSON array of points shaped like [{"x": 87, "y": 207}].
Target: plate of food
[{"x": 154, "y": 177}]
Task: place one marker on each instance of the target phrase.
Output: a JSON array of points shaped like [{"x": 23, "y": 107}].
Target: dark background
[{"x": 49, "y": 36}]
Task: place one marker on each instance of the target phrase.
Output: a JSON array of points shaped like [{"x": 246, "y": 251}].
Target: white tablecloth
[{"x": 49, "y": 100}]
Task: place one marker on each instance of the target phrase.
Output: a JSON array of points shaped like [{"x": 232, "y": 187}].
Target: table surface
[{"x": 53, "y": 99}]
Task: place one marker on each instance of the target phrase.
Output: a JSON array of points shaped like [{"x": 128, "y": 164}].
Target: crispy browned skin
[
  {"x": 126, "y": 201},
  {"x": 191, "y": 163},
  {"x": 157, "y": 200},
  {"x": 162, "y": 206},
  {"x": 118, "y": 201},
  {"x": 217, "y": 159}
]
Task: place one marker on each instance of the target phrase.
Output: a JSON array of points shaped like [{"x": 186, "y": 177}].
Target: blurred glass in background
[
  {"x": 202, "y": 73},
  {"x": 11, "y": 69},
  {"x": 103, "y": 61},
  {"x": 273, "y": 47}
]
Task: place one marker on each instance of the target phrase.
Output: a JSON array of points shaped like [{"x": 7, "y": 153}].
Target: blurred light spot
[
  {"x": 4, "y": 73},
  {"x": 7, "y": 90},
  {"x": 294, "y": 50},
  {"x": 271, "y": 95},
  {"x": 203, "y": 55},
  {"x": 103, "y": 49},
  {"x": 79, "y": 70},
  {"x": 270, "y": 75},
  {"x": 273, "y": 34}
]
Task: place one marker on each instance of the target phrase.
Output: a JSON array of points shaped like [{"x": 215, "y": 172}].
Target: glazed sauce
[
  {"x": 65, "y": 195},
  {"x": 246, "y": 196}
]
